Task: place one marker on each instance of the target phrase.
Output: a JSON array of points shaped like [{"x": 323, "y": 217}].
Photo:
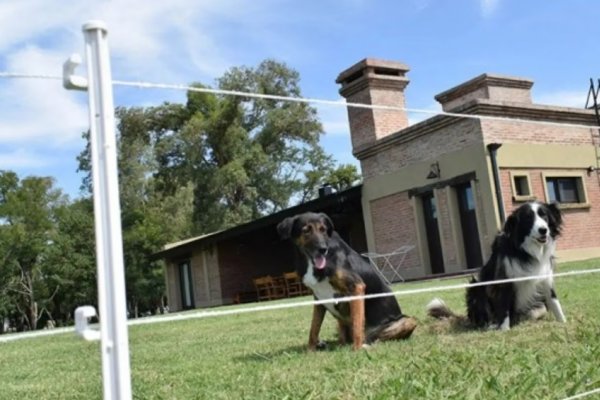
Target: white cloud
[
  {"x": 153, "y": 41},
  {"x": 488, "y": 7},
  {"x": 39, "y": 111},
  {"x": 23, "y": 158},
  {"x": 23, "y": 21},
  {"x": 420, "y": 5}
]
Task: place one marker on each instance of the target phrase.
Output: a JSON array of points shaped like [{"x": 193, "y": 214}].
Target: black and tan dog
[{"x": 330, "y": 268}]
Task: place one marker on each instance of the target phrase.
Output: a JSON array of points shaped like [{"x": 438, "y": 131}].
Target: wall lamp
[{"x": 434, "y": 171}]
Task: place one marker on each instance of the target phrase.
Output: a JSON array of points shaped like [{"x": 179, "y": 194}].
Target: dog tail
[
  {"x": 395, "y": 330},
  {"x": 439, "y": 310}
]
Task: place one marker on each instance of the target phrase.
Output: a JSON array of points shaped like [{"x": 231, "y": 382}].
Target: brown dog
[{"x": 330, "y": 268}]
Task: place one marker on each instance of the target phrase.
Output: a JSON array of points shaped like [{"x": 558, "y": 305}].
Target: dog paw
[
  {"x": 505, "y": 324},
  {"x": 322, "y": 345}
]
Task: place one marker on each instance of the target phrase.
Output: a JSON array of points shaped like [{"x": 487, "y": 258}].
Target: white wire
[
  {"x": 582, "y": 395},
  {"x": 342, "y": 103},
  {"x": 18, "y": 75},
  {"x": 270, "y": 307},
  {"x": 204, "y": 314},
  {"x": 339, "y": 103},
  {"x": 10, "y": 337}
]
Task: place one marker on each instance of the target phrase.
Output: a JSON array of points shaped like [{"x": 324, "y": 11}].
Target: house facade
[
  {"x": 219, "y": 268},
  {"x": 446, "y": 184}
]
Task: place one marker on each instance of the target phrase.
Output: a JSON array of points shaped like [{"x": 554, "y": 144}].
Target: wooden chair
[
  {"x": 268, "y": 289},
  {"x": 293, "y": 284}
]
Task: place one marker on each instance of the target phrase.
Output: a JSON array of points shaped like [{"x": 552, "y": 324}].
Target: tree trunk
[{"x": 32, "y": 314}]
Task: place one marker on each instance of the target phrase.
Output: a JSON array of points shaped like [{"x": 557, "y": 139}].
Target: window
[
  {"x": 563, "y": 190},
  {"x": 521, "y": 187},
  {"x": 567, "y": 189}
]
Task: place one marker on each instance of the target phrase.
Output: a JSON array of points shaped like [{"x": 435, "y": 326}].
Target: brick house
[
  {"x": 219, "y": 268},
  {"x": 446, "y": 183}
]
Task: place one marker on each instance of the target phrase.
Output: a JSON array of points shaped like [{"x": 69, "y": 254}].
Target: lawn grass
[{"x": 262, "y": 356}]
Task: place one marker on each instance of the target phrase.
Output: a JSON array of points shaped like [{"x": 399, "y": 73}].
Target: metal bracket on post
[
  {"x": 82, "y": 327},
  {"x": 70, "y": 80}
]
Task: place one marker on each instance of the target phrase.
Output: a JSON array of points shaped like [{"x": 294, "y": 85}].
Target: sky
[{"x": 443, "y": 42}]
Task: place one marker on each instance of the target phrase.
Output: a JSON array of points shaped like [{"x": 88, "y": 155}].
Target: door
[
  {"x": 468, "y": 223},
  {"x": 433, "y": 234},
  {"x": 186, "y": 285}
]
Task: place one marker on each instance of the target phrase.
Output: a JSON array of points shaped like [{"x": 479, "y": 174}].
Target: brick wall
[
  {"x": 360, "y": 120},
  {"x": 426, "y": 147},
  {"x": 250, "y": 256},
  {"x": 394, "y": 225},
  {"x": 580, "y": 224},
  {"x": 368, "y": 125},
  {"x": 388, "y": 121},
  {"x": 514, "y": 132},
  {"x": 236, "y": 270}
]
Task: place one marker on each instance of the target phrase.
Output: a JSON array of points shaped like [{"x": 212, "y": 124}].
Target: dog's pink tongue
[{"x": 320, "y": 262}]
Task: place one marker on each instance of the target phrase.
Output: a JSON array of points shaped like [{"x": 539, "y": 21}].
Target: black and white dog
[{"x": 525, "y": 247}]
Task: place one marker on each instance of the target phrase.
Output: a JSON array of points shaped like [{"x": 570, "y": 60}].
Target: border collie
[
  {"x": 525, "y": 247},
  {"x": 330, "y": 268}
]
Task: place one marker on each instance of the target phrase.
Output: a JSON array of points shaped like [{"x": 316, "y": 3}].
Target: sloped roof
[{"x": 185, "y": 246}]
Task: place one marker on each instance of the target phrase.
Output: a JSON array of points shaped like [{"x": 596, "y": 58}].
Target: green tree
[
  {"x": 154, "y": 210},
  {"x": 212, "y": 163},
  {"x": 70, "y": 262},
  {"x": 27, "y": 209},
  {"x": 246, "y": 157},
  {"x": 343, "y": 177},
  {"x": 339, "y": 177}
]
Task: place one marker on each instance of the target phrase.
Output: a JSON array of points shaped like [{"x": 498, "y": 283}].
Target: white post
[{"x": 116, "y": 372}]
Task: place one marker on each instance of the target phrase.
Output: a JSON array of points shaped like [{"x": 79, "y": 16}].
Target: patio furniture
[
  {"x": 389, "y": 265},
  {"x": 293, "y": 284},
  {"x": 268, "y": 288}
]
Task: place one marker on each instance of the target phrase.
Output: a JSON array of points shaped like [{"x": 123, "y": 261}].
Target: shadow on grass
[
  {"x": 449, "y": 326},
  {"x": 288, "y": 352},
  {"x": 460, "y": 325}
]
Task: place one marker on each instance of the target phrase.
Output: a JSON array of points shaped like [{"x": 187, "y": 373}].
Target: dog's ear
[
  {"x": 284, "y": 228},
  {"x": 556, "y": 219},
  {"x": 510, "y": 227},
  {"x": 328, "y": 223}
]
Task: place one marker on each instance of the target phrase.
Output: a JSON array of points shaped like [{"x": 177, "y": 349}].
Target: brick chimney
[
  {"x": 373, "y": 81},
  {"x": 487, "y": 86}
]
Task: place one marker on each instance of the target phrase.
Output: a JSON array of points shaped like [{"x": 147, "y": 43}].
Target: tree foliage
[
  {"x": 210, "y": 163},
  {"x": 70, "y": 263},
  {"x": 214, "y": 162},
  {"x": 27, "y": 215}
]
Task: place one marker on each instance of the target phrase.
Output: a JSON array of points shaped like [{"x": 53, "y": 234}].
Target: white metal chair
[{"x": 389, "y": 265}]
